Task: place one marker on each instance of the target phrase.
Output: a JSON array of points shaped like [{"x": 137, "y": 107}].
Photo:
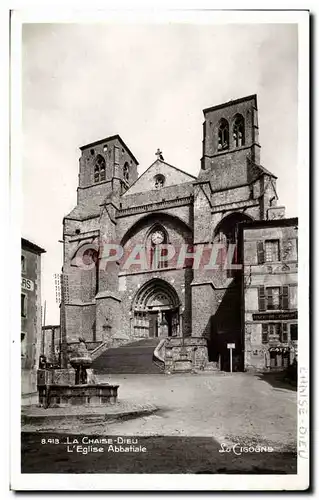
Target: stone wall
[
  {"x": 173, "y": 176},
  {"x": 192, "y": 349}
]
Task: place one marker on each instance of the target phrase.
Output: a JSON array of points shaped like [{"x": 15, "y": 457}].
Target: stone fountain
[{"x": 76, "y": 385}]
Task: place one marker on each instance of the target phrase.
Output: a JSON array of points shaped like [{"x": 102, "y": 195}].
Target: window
[
  {"x": 284, "y": 332},
  {"x": 260, "y": 252},
  {"x": 239, "y": 131},
  {"x": 159, "y": 181},
  {"x": 99, "y": 169},
  {"x": 23, "y": 305},
  {"x": 272, "y": 250},
  {"x": 23, "y": 345},
  {"x": 285, "y": 297},
  {"x": 294, "y": 331},
  {"x": 23, "y": 264},
  {"x": 264, "y": 338},
  {"x": 271, "y": 331},
  {"x": 126, "y": 171},
  {"x": 273, "y": 298},
  {"x": 223, "y": 135}
]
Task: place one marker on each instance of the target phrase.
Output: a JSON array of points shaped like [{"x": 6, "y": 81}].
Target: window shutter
[
  {"x": 260, "y": 252},
  {"x": 279, "y": 250},
  {"x": 24, "y": 305},
  {"x": 294, "y": 331},
  {"x": 284, "y": 332},
  {"x": 269, "y": 304},
  {"x": 261, "y": 298},
  {"x": 285, "y": 297},
  {"x": 264, "y": 333}
]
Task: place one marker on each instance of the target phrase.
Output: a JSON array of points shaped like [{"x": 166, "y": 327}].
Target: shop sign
[
  {"x": 270, "y": 316},
  {"x": 27, "y": 284}
]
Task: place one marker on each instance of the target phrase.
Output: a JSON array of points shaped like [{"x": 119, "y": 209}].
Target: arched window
[
  {"x": 126, "y": 172},
  {"x": 99, "y": 169},
  {"x": 157, "y": 237},
  {"x": 239, "y": 131},
  {"x": 159, "y": 181},
  {"x": 223, "y": 135}
]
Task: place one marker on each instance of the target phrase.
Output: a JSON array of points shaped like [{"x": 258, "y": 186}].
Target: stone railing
[
  {"x": 159, "y": 354},
  {"x": 99, "y": 350},
  {"x": 110, "y": 343}
]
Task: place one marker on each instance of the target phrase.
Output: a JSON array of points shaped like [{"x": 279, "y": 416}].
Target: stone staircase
[{"x": 133, "y": 357}]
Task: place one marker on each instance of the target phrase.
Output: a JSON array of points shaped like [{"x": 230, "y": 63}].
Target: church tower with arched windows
[
  {"x": 231, "y": 136},
  {"x": 135, "y": 247}
]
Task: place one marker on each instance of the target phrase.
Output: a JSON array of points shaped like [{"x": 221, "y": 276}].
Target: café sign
[
  {"x": 275, "y": 316},
  {"x": 27, "y": 284}
]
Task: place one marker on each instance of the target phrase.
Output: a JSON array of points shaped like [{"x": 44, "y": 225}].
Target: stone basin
[
  {"x": 82, "y": 394},
  {"x": 85, "y": 361}
]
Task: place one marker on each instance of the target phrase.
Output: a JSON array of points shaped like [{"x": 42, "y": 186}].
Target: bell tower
[
  {"x": 106, "y": 166},
  {"x": 230, "y": 141}
]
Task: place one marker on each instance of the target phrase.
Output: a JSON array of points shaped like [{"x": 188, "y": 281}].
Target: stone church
[{"x": 191, "y": 312}]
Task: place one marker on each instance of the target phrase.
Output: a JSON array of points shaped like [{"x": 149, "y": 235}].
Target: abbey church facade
[{"x": 196, "y": 310}]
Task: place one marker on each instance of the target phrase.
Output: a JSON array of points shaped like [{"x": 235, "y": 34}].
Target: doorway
[
  {"x": 153, "y": 324},
  {"x": 156, "y": 310}
]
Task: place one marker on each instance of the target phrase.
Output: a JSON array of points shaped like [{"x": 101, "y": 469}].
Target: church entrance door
[
  {"x": 153, "y": 324},
  {"x": 156, "y": 310}
]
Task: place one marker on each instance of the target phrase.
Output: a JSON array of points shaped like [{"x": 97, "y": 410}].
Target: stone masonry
[{"x": 166, "y": 205}]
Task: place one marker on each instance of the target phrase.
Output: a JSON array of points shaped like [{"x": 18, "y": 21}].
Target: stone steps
[{"x": 135, "y": 357}]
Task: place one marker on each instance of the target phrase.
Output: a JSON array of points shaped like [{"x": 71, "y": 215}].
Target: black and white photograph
[{"x": 161, "y": 169}]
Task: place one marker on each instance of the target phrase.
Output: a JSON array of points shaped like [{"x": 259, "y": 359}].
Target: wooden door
[{"x": 153, "y": 324}]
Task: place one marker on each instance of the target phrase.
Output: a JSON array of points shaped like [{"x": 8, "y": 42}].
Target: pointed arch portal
[{"x": 156, "y": 310}]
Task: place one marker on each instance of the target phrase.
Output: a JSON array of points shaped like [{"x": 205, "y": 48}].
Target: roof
[
  {"x": 260, "y": 167},
  {"x": 231, "y": 102},
  {"x": 148, "y": 168},
  {"x": 28, "y": 245},
  {"x": 108, "y": 139},
  {"x": 293, "y": 221},
  {"x": 81, "y": 212}
]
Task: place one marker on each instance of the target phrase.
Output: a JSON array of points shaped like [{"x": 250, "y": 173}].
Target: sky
[{"x": 148, "y": 83}]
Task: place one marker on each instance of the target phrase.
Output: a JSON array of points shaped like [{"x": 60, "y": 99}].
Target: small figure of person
[{"x": 42, "y": 362}]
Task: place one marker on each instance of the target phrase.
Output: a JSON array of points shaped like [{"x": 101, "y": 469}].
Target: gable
[{"x": 171, "y": 174}]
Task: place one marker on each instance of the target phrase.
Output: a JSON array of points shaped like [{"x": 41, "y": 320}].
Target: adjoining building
[
  {"x": 198, "y": 310},
  {"x": 30, "y": 314},
  {"x": 270, "y": 288}
]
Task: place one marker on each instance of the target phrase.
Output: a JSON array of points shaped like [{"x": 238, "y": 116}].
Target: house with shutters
[
  {"x": 270, "y": 285},
  {"x": 30, "y": 316}
]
